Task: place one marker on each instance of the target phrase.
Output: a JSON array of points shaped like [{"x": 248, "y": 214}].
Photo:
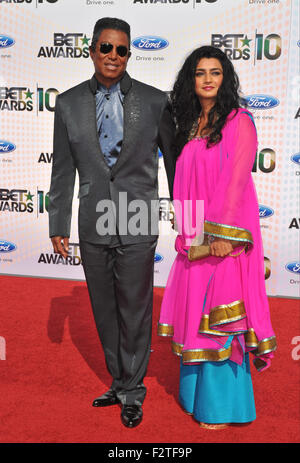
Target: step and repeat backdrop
[{"x": 44, "y": 50}]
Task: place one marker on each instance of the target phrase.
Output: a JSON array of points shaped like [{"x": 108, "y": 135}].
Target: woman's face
[{"x": 208, "y": 78}]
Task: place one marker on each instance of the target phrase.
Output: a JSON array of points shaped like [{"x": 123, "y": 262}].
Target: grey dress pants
[{"x": 120, "y": 284}]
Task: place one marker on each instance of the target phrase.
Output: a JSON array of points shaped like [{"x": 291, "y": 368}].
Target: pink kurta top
[{"x": 216, "y": 308}]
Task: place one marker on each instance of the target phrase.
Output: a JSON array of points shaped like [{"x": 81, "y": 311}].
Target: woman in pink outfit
[{"x": 216, "y": 308}]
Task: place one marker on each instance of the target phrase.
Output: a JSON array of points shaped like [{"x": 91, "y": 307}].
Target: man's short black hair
[{"x": 109, "y": 23}]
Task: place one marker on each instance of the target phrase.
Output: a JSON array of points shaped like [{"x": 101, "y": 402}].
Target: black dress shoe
[
  {"x": 131, "y": 415},
  {"x": 107, "y": 399}
]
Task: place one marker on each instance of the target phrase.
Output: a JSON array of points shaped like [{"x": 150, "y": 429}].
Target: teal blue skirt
[{"x": 218, "y": 392}]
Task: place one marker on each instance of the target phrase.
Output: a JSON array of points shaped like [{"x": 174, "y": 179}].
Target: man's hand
[
  {"x": 172, "y": 217},
  {"x": 220, "y": 247},
  {"x": 60, "y": 245}
]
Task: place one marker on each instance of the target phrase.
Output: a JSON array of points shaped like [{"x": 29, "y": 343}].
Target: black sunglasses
[{"x": 106, "y": 48}]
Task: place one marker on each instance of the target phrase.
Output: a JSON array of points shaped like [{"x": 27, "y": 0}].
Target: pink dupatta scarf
[{"x": 235, "y": 311}]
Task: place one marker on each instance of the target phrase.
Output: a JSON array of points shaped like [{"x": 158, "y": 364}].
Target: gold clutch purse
[{"x": 201, "y": 251}]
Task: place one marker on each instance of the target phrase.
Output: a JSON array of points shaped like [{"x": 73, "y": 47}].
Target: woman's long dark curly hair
[{"x": 186, "y": 106}]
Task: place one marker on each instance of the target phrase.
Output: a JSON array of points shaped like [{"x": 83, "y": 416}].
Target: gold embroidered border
[
  {"x": 251, "y": 338},
  {"x": 201, "y": 355},
  {"x": 176, "y": 348},
  {"x": 261, "y": 347},
  {"x": 205, "y": 329},
  {"x": 227, "y": 231},
  {"x": 165, "y": 330},
  {"x": 265, "y": 346},
  {"x": 227, "y": 313},
  {"x": 213, "y": 355}
]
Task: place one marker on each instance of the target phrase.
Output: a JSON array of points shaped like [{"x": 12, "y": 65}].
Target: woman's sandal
[{"x": 213, "y": 426}]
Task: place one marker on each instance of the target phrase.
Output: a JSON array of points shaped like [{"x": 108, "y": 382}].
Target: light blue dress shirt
[{"x": 109, "y": 116}]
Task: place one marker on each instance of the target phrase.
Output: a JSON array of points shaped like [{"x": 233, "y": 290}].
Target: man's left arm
[{"x": 166, "y": 135}]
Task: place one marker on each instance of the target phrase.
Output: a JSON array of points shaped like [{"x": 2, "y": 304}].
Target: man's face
[{"x": 110, "y": 67}]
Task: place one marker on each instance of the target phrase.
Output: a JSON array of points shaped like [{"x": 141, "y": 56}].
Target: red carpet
[{"x": 54, "y": 368}]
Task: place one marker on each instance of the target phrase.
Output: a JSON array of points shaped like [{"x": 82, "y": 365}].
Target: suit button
[{"x": 112, "y": 179}]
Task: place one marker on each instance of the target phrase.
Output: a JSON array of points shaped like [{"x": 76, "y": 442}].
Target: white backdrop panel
[{"x": 38, "y": 60}]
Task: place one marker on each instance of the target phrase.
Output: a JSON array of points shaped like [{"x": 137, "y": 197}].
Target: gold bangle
[{"x": 239, "y": 253}]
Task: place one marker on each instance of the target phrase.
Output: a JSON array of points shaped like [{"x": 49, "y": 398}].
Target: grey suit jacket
[{"x": 147, "y": 125}]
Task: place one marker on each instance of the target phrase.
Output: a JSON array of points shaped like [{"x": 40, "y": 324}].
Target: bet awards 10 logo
[
  {"x": 42, "y": 202},
  {"x": 16, "y": 99},
  {"x": 295, "y": 223},
  {"x": 265, "y": 161},
  {"x": 16, "y": 200},
  {"x": 159, "y": 2},
  {"x": 22, "y": 200},
  {"x": 21, "y": 99},
  {"x": 240, "y": 46},
  {"x": 71, "y": 45},
  {"x": 73, "y": 257},
  {"x": 37, "y": 2}
]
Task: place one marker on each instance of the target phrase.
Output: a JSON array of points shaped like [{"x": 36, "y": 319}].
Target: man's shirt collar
[{"x": 125, "y": 84}]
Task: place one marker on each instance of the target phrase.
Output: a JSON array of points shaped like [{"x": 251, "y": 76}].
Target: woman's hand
[{"x": 220, "y": 247}]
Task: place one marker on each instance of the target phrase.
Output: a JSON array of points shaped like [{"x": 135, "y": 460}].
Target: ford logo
[
  {"x": 296, "y": 158},
  {"x": 6, "y": 146},
  {"x": 6, "y": 41},
  {"x": 265, "y": 211},
  {"x": 261, "y": 101},
  {"x": 157, "y": 258},
  {"x": 293, "y": 267},
  {"x": 6, "y": 246},
  {"x": 150, "y": 43}
]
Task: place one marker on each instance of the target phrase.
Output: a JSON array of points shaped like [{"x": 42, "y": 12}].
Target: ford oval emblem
[
  {"x": 261, "y": 101},
  {"x": 296, "y": 158},
  {"x": 293, "y": 267},
  {"x": 6, "y": 146},
  {"x": 6, "y": 246},
  {"x": 157, "y": 258},
  {"x": 150, "y": 43},
  {"x": 6, "y": 41},
  {"x": 265, "y": 211}
]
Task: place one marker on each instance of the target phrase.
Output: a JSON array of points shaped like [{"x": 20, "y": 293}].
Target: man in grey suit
[{"x": 108, "y": 128}]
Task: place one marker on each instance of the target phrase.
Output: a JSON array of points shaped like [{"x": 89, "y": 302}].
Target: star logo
[
  {"x": 85, "y": 40},
  {"x": 246, "y": 41},
  {"x": 29, "y": 196},
  {"x": 28, "y": 94}
]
